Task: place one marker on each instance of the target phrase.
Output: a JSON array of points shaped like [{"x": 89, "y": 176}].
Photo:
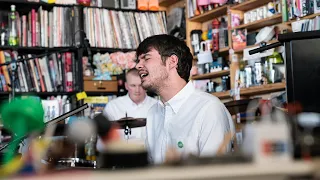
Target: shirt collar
[
  {"x": 133, "y": 103},
  {"x": 176, "y": 101}
]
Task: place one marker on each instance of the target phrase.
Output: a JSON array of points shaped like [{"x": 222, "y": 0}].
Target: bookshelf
[
  {"x": 37, "y": 50},
  {"x": 305, "y": 17},
  {"x": 275, "y": 19},
  {"x": 21, "y": 3},
  {"x": 69, "y": 37},
  {"x": 256, "y": 45},
  {"x": 249, "y": 4},
  {"x": 222, "y": 95},
  {"x": 109, "y": 50},
  {"x": 209, "y": 15},
  {"x": 201, "y": 21},
  {"x": 211, "y": 75},
  {"x": 224, "y": 50},
  {"x": 42, "y": 94},
  {"x": 168, "y": 3},
  {"x": 263, "y": 89},
  {"x": 254, "y": 91}
]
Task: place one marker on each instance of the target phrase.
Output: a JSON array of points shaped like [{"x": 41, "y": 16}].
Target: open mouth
[{"x": 143, "y": 75}]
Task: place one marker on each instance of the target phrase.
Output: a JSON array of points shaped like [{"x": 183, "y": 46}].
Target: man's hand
[{"x": 172, "y": 156}]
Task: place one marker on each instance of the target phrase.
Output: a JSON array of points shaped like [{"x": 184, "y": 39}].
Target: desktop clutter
[{"x": 279, "y": 136}]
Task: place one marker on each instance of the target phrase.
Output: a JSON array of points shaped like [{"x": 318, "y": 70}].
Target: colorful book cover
[{"x": 239, "y": 39}]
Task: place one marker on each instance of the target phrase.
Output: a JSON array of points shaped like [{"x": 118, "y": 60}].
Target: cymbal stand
[{"x": 127, "y": 132}]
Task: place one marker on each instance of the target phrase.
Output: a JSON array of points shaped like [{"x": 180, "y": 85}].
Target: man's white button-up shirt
[
  {"x": 118, "y": 108},
  {"x": 191, "y": 122}
]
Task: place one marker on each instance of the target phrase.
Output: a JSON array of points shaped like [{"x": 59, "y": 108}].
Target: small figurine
[{"x": 271, "y": 9}]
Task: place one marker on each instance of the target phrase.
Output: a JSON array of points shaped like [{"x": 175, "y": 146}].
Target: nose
[
  {"x": 139, "y": 65},
  {"x": 138, "y": 89}
]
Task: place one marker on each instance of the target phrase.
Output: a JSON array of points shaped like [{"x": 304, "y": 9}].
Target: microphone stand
[
  {"x": 50, "y": 123},
  {"x": 287, "y": 37}
]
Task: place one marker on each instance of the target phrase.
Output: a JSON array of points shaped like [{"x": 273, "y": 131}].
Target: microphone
[
  {"x": 81, "y": 129},
  {"x": 87, "y": 46}
]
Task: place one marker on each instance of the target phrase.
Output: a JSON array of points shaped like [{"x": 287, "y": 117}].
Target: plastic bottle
[
  {"x": 3, "y": 36},
  {"x": 223, "y": 34}
]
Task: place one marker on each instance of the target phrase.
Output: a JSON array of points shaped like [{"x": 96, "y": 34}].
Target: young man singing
[{"x": 185, "y": 119}]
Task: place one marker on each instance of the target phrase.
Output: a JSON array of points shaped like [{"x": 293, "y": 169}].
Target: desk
[{"x": 234, "y": 171}]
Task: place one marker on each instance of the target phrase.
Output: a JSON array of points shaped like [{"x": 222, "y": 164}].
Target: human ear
[
  {"x": 126, "y": 85},
  {"x": 173, "y": 61}
]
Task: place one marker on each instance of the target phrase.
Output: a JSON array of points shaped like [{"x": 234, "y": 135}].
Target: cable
[{"x": 86, "y": 44}]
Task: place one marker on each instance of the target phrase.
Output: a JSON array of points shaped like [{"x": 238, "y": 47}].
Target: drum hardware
[
  {"x": 76, "y": 162},
  {"x": 127, "y": 123}
]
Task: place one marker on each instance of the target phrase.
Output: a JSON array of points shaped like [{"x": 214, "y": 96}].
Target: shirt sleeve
[
  {"x": 108, "y": 111},
  {"x": 213, "y": 128}
]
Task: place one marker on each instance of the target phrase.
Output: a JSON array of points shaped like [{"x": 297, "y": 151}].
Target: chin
[{"x": 149, "y": 88}]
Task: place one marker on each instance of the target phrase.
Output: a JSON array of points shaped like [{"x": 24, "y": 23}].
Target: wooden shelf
[
  {"x": 38, "y": 93},
  {"x": 256, "y": 45},
  {"x": 167, "y": 3},
  {"x": 221, "y": 51},
  {"x": 211, "y": 75},
  {"x": 263, "y": 89},
  {"x": 207, "y": 16},
  {"x": 250, "y": 4},
  {"x": 21, "y": 3},
  {"x": 224, "y": 50},
  {"x": 90, "y": 93},
  {"x": 109, "y": 50},
  {"x": 36, "y": 50},
  {"x": 256, "y": 90},
  {"x": 222, "y": 95},
  {"x": 301, "y": 18},
  {"x": 90, "y": 78},
  {"x": 275, "y": 19}
]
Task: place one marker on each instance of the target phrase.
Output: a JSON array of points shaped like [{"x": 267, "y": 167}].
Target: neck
[
  {"x": 138, "y": 101},
  {"x": 169, "y": 90}
]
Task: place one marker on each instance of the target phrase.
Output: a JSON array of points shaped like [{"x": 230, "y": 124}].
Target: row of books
[
  {"x": 44, "y": 28},
  {"x": 117, "y": 29},
  {"x": 53, "y": 73},
  {"x": 306, "y": 25},
  {"x": 300, "y": 8}
]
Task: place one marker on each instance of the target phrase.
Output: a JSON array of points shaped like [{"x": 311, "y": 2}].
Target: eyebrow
[
  {"x": 147, "y": 55},
  {"x": 144, "y": 56}
]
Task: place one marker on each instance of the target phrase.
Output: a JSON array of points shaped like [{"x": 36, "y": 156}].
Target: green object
[
  {"x": 275, "y": 58},
  {"x": 284, "y": 11},
  {"x": 180, "y": 144},
  {"x": 13, "y": 32},
  {"x": 21, "y": 117}
]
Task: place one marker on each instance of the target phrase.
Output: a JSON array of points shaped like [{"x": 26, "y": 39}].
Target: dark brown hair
[{"x": 167, "y": 46}]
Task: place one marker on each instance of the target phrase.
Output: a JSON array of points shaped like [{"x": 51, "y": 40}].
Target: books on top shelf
[
  {"x": 45, "y": 28},
  {"x": 117, "y": 29}
]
